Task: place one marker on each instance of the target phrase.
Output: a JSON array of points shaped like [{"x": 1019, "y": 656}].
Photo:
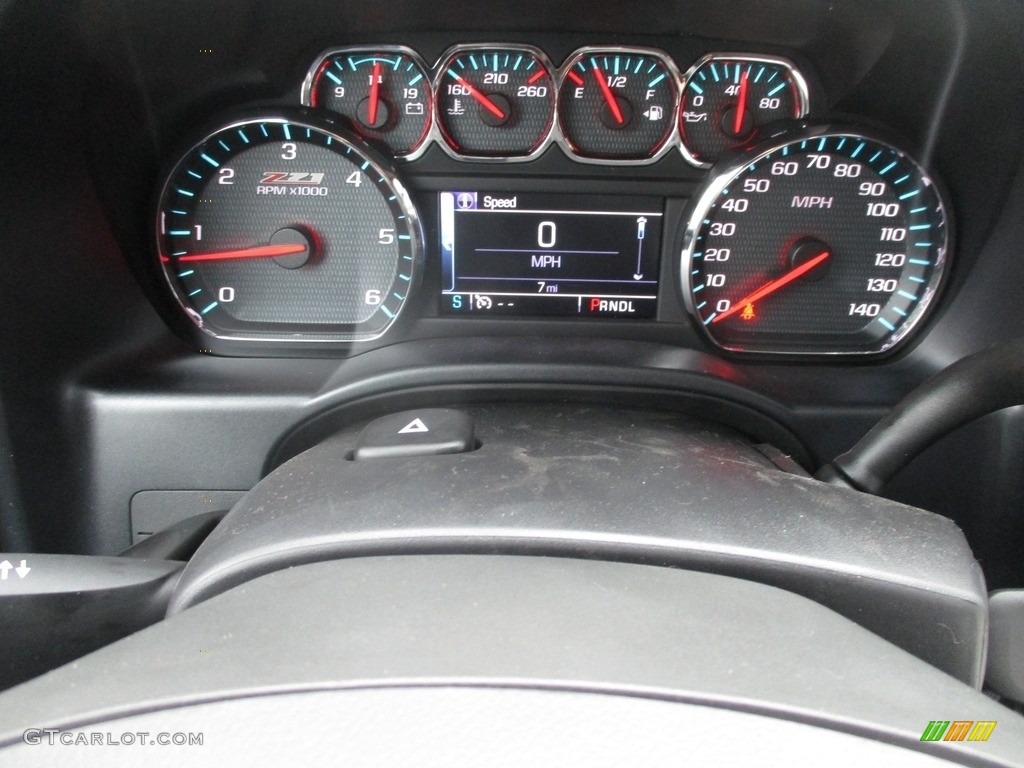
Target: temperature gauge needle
[
  {"x": 485, "y": 102},
  {"x": 609, "y": 97},
  {"x": 741, "y": 107},
  {"x": 774, "y": 285},
  {"x": 259, "y": 252}
]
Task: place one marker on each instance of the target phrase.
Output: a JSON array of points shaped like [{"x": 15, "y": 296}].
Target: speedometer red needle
[
  {"x": 773, "y": 286},
  {"x": 609, "y": 97},
  {"x": 374, "y": 92},
  {"x": 259, "y": 252},
  {"x": 486, "y": 103},
  {"x": 741, "y": 107}
]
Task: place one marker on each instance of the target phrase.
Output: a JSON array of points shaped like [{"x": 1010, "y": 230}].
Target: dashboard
[
  {"x": 233, "y": 231},
  {"x": 823, "y": 366}
]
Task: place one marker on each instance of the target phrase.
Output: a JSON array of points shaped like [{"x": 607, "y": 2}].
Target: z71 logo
[{"x": 278, "y": 177}]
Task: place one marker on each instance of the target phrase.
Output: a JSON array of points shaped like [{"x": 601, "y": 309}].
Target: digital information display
[{"x": 547, "y": 255}]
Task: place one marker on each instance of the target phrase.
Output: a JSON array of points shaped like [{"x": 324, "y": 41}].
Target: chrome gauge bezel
[
  {"x": 672, "y": 137},
  {"x": 437, "y": 135},
  {"x": 310, "y": 82},
  {"x": 555, "y": 134},
  {"x": 379, "y": 163},
  {"x": 734, "y": 165},
  {"x": 802, "y": 91}
]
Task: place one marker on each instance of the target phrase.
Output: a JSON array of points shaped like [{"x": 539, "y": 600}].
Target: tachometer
[
  {"x": 829, "y": 243},
  {"x": 281, "y": 228}
]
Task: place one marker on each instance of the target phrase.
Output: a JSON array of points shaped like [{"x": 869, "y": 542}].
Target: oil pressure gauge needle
[
  {"x": 770, "y": 288},
  {"x": 741, "y": 106},
  {"x": 258, "y": 252}
]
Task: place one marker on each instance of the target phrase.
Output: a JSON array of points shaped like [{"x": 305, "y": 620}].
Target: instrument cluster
[{"x": 299, "y": 225}]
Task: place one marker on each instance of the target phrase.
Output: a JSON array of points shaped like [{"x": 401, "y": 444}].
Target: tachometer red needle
[
  {"x": 486, "y": 103},
  {"x": 741, "y": 107},
  {"x": 374, "y": 92},
  {"x": 773, "y": 286},
  {"x": 609, "y": 97},
  {"x": 259, "y": 252}
]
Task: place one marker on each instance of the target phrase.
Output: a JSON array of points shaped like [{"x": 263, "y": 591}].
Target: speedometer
[{"x": 829, "y": 243}]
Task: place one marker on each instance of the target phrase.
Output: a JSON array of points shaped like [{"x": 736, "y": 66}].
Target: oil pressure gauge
[{"x": 727, "y": 98}]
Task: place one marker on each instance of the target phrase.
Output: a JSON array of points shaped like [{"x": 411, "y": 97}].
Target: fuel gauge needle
[
  {"x": 258, "y": 252},
  {"x": 609, "y": 97},
  {"x": 770, "y": 288}
]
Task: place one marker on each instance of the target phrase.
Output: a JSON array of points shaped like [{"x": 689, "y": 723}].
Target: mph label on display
[{"x": 549, "y": 255}]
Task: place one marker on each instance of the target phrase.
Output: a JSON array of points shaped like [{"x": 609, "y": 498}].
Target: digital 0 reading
[{"x": 547, "y": 255}]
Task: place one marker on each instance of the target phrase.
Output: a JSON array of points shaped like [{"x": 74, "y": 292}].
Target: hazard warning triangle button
[
  {"x": 423, "y": 432},
  {"x": 416, "y": 425}
]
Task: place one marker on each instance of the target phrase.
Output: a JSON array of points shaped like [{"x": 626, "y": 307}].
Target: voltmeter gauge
[
  {"x": 728, "y": 98},
  {"x": 618, "y": 104},
  {"x": 384, "y": 92}
]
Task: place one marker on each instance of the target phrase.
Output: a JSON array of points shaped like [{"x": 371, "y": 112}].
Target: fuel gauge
[
  {"x": 617, "y": 104},
  {"x": 384, "y": 92}
]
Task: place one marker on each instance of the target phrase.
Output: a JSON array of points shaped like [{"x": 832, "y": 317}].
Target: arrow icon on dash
[
  {"x": 22, "y": 570},
  {"x": 413, "y": 426},
  {"x": 5, "y": 568}
]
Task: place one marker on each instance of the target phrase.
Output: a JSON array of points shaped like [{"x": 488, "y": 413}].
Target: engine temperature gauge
[
  {"x": 495, "y": 103},
  {"x": 728, "y": 97}
]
